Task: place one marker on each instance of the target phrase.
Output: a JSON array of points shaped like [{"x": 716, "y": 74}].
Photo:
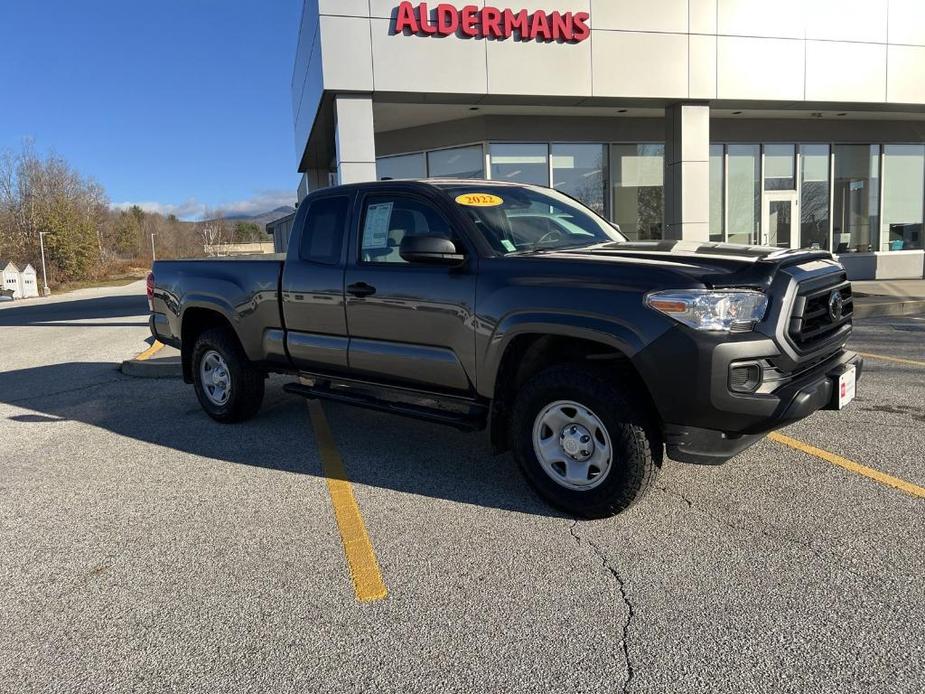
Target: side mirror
[{"x": 433, "y": 250}]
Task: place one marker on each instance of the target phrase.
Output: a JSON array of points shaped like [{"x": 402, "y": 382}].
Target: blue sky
[{"x": 177, "y": 104}]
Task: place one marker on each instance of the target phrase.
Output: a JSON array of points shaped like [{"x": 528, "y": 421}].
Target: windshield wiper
[{"x": 546, "y": 249}]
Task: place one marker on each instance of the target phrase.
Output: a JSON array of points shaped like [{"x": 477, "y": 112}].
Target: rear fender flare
[
  {"x": 219, "y": 307},
  {"x": 209, "y": 303}
]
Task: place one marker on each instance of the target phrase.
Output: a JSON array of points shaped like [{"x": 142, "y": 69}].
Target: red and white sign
[
  {"x": 847, "y": 385},
  {"x": 491, "y": 23}
]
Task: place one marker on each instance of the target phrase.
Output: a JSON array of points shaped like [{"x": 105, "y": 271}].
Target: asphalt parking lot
[{"x": 144, "y": 547}]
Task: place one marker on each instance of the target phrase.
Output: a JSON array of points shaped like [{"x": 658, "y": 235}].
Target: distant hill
[{"x": 263, "y": 218}]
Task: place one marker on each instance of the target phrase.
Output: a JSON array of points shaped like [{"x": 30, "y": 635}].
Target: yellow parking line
[
  {"x": 873, "y": 474},
  {"x": 895, "y": 360},
  {"x": 150, "y": 352},
  {"x": 361, "y": 559}
]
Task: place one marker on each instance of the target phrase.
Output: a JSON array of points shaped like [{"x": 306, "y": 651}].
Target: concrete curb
[
  {"x": 895, "y": 307},
  {"x": 168, "y": 367}
]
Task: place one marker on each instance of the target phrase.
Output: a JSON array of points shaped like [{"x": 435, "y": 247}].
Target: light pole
[
  {"x": 45, "y": 290},
  {"x": 153, "y": 254}
]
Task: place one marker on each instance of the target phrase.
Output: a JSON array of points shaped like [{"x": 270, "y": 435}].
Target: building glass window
[
  {"x": 743, "y": 194},
  {"x": 779, "y": 167},
  {"x": 717, "y": 193},
  {"x": 520, "y": 163},
  {"x": 461, "y": 162},
  {"x": 638, "y": 190},
  {"x": 581, "y": 171},
  {"x": 404, "y": 166},
  {"x": 814, "y": 196},
  {"x": 903, "y": 188},
  {"x": 855, "y": 209}
]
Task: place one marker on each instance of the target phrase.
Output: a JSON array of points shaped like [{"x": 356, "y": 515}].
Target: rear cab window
[{"x": 324, "y": 230}]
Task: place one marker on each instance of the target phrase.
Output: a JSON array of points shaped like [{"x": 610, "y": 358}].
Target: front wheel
[
  {"x": 228, "y": 386},
  {"x": 583, "y": 441}
]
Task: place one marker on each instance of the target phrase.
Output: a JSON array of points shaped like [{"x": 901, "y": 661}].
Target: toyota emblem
[{"x": 836, "y": 306}]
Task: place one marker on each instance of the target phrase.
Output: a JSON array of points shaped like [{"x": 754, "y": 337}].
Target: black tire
[
  {"x": 246, "y": 392},
  {"x": 636, "y": 444}
]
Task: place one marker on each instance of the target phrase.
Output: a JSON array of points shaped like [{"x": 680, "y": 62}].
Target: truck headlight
[{"x": 728, "y": 310}]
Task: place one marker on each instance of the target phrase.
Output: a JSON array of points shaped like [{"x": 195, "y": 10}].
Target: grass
[{"x": 119, "y": 281}]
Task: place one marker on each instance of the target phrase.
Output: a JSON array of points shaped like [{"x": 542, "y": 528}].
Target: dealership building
[{"x": 790, "y": 123}]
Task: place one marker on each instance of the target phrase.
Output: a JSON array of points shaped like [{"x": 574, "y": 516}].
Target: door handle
[{"x": 360, "y": 290}]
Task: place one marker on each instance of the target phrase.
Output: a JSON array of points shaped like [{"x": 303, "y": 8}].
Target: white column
[
  {"x": 356, "y": 139},
  {"x": 687, "y": 172}
]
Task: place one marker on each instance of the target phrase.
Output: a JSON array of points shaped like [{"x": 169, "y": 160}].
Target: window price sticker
[{"x": 376, "y": 229}]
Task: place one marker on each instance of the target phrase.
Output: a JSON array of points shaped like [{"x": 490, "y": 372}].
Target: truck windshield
[{"x": 522, "y": 220}]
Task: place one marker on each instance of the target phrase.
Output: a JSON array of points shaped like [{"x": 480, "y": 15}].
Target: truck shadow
[
  {"x": 131, "y": 307},
  {"x": 378, "y": 450}
]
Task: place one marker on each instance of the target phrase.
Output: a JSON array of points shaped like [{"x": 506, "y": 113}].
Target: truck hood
[{"x": 714, "y": 264}]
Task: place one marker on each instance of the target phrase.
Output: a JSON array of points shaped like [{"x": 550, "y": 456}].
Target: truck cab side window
[
  {"x": 323, "y": 236},
  {"x": 387, "y": 220}
]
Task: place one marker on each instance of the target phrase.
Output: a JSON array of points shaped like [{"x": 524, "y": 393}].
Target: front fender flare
[{"x": 613, "y": 333}]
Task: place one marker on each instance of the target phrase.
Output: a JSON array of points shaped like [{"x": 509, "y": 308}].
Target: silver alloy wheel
[
  {"x": 215, "y": 378},
  {"x": 572, "y": 445}
]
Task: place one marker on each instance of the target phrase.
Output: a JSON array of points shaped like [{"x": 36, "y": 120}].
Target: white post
[
  {"x": 153, "y": 254},
  {"x": 45, "y": 290}
]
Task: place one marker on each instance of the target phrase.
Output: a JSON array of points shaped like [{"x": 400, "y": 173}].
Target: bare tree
[
  {"x": 85, "y": 238},
  {"x": 213, "y": 231}
]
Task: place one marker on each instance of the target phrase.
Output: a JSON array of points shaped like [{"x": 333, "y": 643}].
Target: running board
[{"x": 473, "y": 420}]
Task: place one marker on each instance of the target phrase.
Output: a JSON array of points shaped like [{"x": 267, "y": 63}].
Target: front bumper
[
  {"x": 809, "y": 392},
  {"x": 703, "y": 384}
]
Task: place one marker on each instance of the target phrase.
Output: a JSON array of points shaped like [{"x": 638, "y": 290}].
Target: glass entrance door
[{"x": 780, "y": 221}]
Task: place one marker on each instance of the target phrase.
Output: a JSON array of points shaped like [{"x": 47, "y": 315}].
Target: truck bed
[{"x": 244, "y": 288}]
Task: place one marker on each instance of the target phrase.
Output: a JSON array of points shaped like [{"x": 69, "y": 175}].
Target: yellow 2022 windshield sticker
[{"x": 479, "y": 200}]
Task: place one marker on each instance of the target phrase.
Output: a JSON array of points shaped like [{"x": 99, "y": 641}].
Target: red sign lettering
[
  {"x": 426, "y": 26},
  {"x": 447, "y": 20},
  {"x": 519, "y": 23},
  {"x": 491, "y": 23},
  {"x": 469, "y": 21}
]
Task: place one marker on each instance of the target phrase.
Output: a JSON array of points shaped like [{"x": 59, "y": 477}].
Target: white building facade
[{"x": 794, "y": 123}]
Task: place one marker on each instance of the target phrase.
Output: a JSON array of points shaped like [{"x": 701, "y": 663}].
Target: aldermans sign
[{"x": 491, "y": 23}]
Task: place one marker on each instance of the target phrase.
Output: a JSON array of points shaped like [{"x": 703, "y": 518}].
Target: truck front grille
[{"x": 823, "y": 307}]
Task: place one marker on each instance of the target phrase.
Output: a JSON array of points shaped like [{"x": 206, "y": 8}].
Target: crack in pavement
[
  {"x": 764, "y": 532},
  {"x": 621, "y": 584},
  {"x": 678, "y": 495}
]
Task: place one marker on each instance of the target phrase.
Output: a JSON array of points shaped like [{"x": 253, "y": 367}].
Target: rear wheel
[
  {"x": 584, "y": 441},
  {"x": 228, "y": 386}
]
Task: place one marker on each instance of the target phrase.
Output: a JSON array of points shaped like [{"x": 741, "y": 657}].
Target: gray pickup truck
[{"x": 515, "y": 308}]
